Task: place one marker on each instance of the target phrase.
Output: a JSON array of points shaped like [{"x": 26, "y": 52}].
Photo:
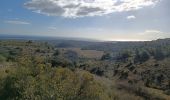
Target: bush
[
  {"x": 46, "y": 83},
  {"x": 123, "y": 56},
  {"x": 106, "y": 56},
  {"x": 159, "y": 54},
  {"x": 2, "y": 58},
  {"x": 141, "y": 56}
]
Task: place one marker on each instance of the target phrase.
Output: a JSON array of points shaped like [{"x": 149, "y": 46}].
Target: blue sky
[{"x": 94, "y": 19}]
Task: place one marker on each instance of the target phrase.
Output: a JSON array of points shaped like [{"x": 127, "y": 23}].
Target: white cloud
[
  {"x": 131, "y": 17},
  {"x": 16, "y": 22},
  {"x": 153, "y": 31},
  {"x": 81, "y": 8},
  {"x": 153, "y": 34}
]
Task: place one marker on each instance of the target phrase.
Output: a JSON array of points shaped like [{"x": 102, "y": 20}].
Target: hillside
[{"x": 47, "y": 69}]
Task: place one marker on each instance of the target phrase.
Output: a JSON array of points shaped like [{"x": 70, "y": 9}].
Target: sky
[{"x": 111, "y": 20}]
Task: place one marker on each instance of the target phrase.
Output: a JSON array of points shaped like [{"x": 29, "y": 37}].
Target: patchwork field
[{"x": 85, "y": 53}]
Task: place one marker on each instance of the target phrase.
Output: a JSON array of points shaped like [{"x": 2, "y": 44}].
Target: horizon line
[{"x": 77, "y": 38}]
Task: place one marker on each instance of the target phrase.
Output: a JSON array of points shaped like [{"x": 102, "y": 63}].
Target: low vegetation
[{"x": 49, "y": 70}]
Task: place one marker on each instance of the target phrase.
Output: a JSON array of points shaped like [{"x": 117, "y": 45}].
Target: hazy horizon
[{"x": 38, "y": 37}]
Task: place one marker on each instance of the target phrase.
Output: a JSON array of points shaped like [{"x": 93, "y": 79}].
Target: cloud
[
  {"x": 146, "y": 35},
  {"x": 16, "y": 22},
  {"x": 131, "y": 17},
  {"x": 82, "y": 8},
  {"x": 153, "y": 31},
  {"x": 153, "y": 34}
]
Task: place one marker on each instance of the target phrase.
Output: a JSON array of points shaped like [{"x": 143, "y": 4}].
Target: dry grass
[
  {"x": 86, "y": 53},
  {"x": 159, "y": 93}
]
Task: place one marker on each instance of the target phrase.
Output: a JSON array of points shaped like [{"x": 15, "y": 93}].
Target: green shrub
[{"x": 2, "y": 58}]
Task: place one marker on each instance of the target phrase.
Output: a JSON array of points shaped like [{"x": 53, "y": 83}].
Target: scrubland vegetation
[{"x": 73, "y": 70}]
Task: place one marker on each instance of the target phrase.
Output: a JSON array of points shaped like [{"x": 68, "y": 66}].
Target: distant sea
[{"x": 26, "y": 37}]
